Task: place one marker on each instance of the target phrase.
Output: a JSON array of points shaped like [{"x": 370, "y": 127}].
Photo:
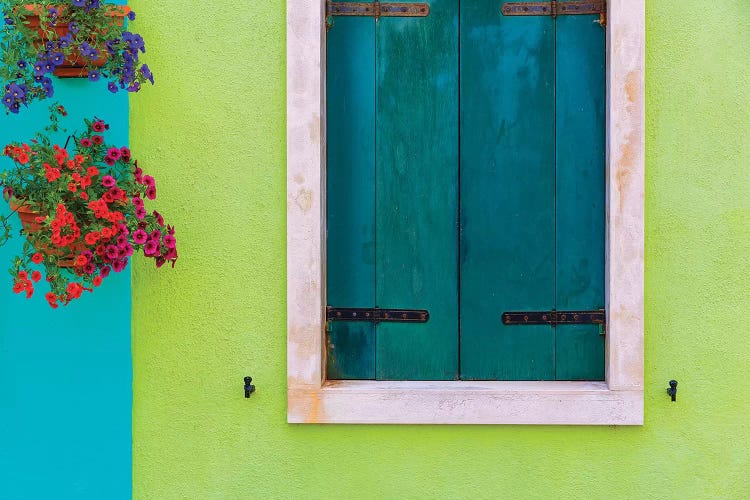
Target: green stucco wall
[{"x": 212, "y": 130}]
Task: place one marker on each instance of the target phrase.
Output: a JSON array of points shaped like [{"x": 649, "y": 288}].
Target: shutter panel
[{"x": 507, "y": 191}]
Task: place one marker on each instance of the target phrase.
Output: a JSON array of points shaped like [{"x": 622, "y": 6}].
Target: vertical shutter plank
[
  {"x": 507, "y": 191},
  {"x": 580, "y": 192},
  {"x": 417, "y": 165},
  {"x": 351, "y": 193}
]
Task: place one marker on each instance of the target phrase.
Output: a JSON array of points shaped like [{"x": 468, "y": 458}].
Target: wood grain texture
[
  {"x": 351, "y": 194},
  {"x": 580, "y": 192},
  {"x": 507, "y": 192},
  {"x": 417, "y": 175}
]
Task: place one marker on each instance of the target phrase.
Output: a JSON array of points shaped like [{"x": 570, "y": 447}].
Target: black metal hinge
[
  {"x": 375, "y": 9},
  {"x": 377, "y": 315},
  {"x": 554, "y": 318},
  {"x": 556, "y": 8}
]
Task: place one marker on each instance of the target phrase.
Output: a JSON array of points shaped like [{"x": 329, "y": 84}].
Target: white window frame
[{"x": 312, "y": 399}]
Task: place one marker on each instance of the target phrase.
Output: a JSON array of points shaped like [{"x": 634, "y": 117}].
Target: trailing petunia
[{"x": 83, "y": 213}]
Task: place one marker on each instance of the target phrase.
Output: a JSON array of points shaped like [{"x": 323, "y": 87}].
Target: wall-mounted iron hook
[
  {"x": 672, "y": 391},
  {"x": 249, "y": 387}
]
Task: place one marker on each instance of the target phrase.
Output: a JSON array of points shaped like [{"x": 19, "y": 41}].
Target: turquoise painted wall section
[
  {"x": 212, "y": 131},
  {"x": 65, "y": 375}
]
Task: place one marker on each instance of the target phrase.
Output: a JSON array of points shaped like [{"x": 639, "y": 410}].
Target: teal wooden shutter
[
  {"x": 465, "y": 176},
  {"x": 392, "y": 192}
]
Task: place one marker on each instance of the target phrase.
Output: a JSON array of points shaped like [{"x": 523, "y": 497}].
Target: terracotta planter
[
  {"x": 74, "y": 65},
  {"x": 30, "y": 225}
]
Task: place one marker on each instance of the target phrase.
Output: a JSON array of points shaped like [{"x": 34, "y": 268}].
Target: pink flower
[
  {"x": 140, "y": 237},
  {"x": 149, "y": 181},
  {"x": 104, "y": 271},
  {"x": 159, "y": 218},
  {"x": 108, "y": 181},
  {"x": 86, "y": 142},
  {"x": 151, "y": 248},
  {"x": 99, "y": 126},
  {"x": 119, "y": 265},
  {"x": 109, "y": 160},
  {"x": 151, "y": 193},
  {"x": 137, "y": 201},
  {"x": 140, "y": 212},
  {"x": 170, "y": 241},
  {"x": 114, "y": 153},
  {"x": 125, "y": 154}
]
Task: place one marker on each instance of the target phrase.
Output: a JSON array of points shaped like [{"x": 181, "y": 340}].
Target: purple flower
[
  {"x": 131, "y": 15},
  {"x": 146, "y": 72},
  {"x": 94, "y": 76},
  {"x": 112, "y": 87},
  {"x": 79, "y": 3},
  {"x": 65, "y": 41},
  {"x": 140, "y": 237},
  {"x": 73, "y": 28},
  {"x": 58, "y": 58},
  {"x": 108, "y": 181}
]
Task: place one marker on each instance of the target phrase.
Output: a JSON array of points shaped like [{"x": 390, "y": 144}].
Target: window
[{"x": 312, "y": 398}]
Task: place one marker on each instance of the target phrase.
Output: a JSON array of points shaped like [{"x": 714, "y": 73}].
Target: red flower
[
  {"x": 97, "y": 280},
  {"x": 22, "y": 158},
  {"x": 36, "y": 276},
  {"x": 37, "y": 258},
  {"x": 92, "y": 238},
  {"x": 72, "y": 187},
  {"x": 81, "y": 260},
  {"x": 92, "y": 171},
  {"x": 23, "y": 275},
  {"x": 18, "y": 287}
]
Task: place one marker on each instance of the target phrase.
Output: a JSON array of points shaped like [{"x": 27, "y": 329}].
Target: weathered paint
[
  {"x": 65, "y": 375},
  {"x": 221, "y": 314}
]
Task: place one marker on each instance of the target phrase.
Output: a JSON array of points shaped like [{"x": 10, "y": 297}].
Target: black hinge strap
[
  {"x": 554, "y": 8},
  {"x": 377, "y": 9},
  {"x": 598, "y": 317},
  {"x": 377, "y": 315}
]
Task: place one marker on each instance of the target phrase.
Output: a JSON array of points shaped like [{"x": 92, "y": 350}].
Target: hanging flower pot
[
  {"x": 82, "y": 210},
  {"x": 75, "y": 65},
  {"x": 73, "y": 38},
  {"x": 31, "y": 221}
]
